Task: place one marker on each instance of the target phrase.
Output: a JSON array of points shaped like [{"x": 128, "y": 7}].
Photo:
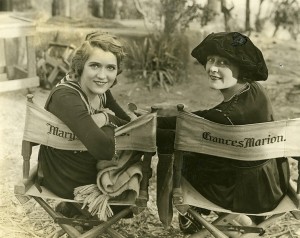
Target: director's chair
[
  {"x": 191, "y": 136},
  {"x": 137, "y": 135}
]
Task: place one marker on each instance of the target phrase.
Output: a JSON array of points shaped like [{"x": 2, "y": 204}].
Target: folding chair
[
  {"x": 128, "y": 137},
  {"x": 191, "y": 136}
]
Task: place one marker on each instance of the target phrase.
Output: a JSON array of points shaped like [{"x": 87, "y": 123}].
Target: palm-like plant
[{"x": 155, "y": 60}]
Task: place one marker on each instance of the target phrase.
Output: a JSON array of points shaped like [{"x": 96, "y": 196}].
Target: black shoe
[
  {"x": 201, "y": 210},
  {"x": 188, "y": 225},
  {"x": 258, "y": 219},
  {"x": 67, "y": 209},
  {"x": 118, "y": 208}
]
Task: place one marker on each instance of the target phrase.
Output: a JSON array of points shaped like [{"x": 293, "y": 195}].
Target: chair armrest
[
  {"x": 26, "y": 153},
  {"x": 294, "y": 186},
  {"x": 298, "y": 177},
  {"x": 22, "y": 186}
]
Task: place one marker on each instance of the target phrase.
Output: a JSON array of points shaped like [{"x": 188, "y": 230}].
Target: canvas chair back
[
  {"x": 259, "y": 141},
  {"x": 240, "y": 142},
  {"x": 42, "y": 127}
]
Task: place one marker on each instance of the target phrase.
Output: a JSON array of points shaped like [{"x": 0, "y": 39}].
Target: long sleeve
[
  {"x": 166, "y": 122},
  {"x": 211, "y": 115},
  {"x": 67, "y": 105},
  {"x": 115, "y": 107},
  {"x": 214, "y": 115}
]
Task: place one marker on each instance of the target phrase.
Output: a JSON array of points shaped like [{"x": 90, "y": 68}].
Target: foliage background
[{"x": 283, "y": 85}]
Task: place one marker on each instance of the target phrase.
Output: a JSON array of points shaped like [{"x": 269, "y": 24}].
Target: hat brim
[{"x": 246, "y": 56}]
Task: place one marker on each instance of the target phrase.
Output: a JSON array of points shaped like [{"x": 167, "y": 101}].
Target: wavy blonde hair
[{"x": 104, "y": 41}]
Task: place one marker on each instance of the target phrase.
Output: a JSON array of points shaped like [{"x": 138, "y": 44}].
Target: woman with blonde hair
[{"x": 80, "y": 94}]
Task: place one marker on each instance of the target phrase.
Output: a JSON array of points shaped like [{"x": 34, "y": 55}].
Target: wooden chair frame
[
  {"x": 67, "y": 224},
  {"x": 225, "y": 223},
  {"x": 54, "y": 64}
]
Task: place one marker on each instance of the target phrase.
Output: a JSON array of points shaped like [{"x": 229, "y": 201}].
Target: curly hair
[{"x": 104, "y": 41}]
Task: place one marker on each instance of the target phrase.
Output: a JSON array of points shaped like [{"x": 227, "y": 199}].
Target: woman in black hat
[{"x": 233, "y": 65}]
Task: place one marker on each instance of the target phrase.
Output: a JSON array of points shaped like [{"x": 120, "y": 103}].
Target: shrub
[{"x": 158, "y": 59}]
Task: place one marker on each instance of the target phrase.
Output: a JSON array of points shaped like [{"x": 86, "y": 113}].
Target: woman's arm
[
  {"x": 112, "y": 104},
  {"x": 67, "y": 105},
  {"x": 214, "y": 115},
  {"x": 166, "y": 122}
]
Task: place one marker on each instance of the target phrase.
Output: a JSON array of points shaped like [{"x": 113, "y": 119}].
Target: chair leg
[
  {"x": 143, "y": 198},
  {"x": 72, "y": 232},
  {"x": 210, "y": 227},
  {"x": 113, "y": 233},
  {"x": 223, "y": 219},
  {"x": 265, "y": 224},
  {"x": 94, "y": 232},
  {"x": 296, "y": 214},
  {"x": 164, "y": 185},
  {"x": 56, "y": 233},
  {"x": 250, "y": 235}
]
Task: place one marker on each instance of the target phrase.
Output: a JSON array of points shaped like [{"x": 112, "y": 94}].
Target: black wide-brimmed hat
[{"x": 237, "y": 48}]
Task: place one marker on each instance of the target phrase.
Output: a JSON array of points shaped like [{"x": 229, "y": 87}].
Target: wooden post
[
  {"x": 3, "y": 73},
  {"x": 13, "y": 26},
  {"x": 26, "y": 150},
  {"x": 31, "y": 65}
]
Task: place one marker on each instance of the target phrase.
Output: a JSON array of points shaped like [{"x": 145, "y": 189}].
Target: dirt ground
[{"x": 29, "y": 220}]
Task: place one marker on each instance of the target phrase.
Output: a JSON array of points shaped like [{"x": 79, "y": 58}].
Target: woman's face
[
  {"x": 221, "y": 72},
  {"x": 99, "y": 72}
]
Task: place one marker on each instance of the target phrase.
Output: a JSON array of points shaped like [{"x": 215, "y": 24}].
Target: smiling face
[
  {"x": 222, "y": 73},
  {"x": 99, "y": 72}
]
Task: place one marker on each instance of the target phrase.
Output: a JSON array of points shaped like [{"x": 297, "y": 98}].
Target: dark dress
[
  {"x": 241, "y": 186},
  {"x": 63, "y": 170}
]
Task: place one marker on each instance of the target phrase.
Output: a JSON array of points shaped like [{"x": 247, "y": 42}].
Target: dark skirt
[
  {"x": 250, "y": 187},
  {"x": 61, "y": 171}
]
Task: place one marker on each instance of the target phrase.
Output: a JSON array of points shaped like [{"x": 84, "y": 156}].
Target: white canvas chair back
[
  {"x": 241, "y": 142},
  {"x": 259, "y": 141},
  {"x": 42, "y": 127}
]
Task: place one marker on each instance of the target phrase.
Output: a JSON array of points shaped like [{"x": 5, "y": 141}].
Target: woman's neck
[
  {"x": 93, "y": 98},
  {"x": 229, "y": 93}
]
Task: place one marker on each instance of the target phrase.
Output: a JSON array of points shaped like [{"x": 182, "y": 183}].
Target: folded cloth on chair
[{"x": 119, "y": 177}]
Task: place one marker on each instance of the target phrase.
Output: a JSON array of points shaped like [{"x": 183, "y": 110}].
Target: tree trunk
[
  {"x": 227, "y": 14},
  {"x": 94, "y": 8},
  {"x": 171, "y": 10},
  {"x": 109, "y": 10},
  {"x": 247, "y": 21},
  {"x": 6, "y": 5},
  {"x": 169, "y": 13},
  {"x": 57, "y": 8},
  {"x": 258, "y": 21},
  {"x": 214, "y": 6}
]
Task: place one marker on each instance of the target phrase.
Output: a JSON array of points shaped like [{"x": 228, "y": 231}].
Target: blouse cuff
[{"x": 106, "y": 118}]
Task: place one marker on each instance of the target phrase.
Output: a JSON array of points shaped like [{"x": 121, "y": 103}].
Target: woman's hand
[
  {"x": 132, "y": 116},
  {"x": 101, "y": 119},
  {"x": 108, "y": 111}
]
